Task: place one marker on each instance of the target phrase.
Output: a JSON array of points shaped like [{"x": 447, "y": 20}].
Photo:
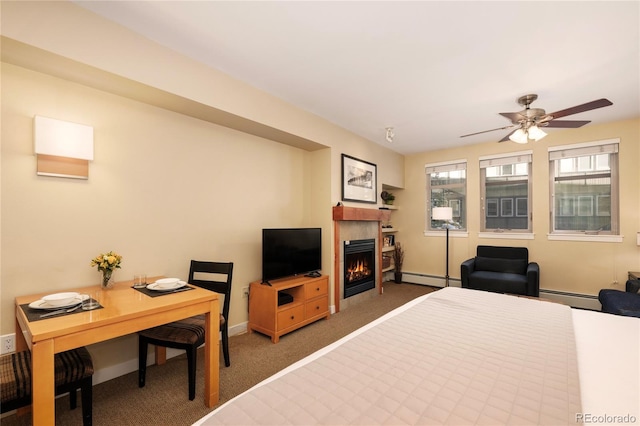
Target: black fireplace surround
[{"x": 359, "y": 266}]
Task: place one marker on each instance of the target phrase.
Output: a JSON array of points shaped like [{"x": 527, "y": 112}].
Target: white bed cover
[{"x": 607, "y": 361}]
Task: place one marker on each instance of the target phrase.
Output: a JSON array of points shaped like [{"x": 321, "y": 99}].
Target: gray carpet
[{"x": 164, "y": 400}]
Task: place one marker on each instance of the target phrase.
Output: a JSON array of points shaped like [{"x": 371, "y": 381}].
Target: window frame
[
  {"x": 575, "y": 151},
  {"x": 502, "y": 160},
  {"x": 448, "y": 166}
]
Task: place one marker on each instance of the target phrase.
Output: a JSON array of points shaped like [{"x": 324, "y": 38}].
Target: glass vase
[{"x": 107, "y": 279}]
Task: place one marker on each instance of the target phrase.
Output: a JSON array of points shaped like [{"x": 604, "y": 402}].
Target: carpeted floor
[{"x": 164, "y": 399}]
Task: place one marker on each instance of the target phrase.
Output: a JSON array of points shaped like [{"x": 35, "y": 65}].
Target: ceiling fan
[{"x": 529, "y": 120}]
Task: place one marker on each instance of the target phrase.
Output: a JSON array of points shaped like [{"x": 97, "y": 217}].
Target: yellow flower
[{"x": 107, "y": 261}]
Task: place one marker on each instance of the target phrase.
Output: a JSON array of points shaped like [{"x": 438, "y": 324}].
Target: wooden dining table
[{"x": 124, "y": 311}]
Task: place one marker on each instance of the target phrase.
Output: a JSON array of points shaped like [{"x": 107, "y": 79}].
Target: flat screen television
[{"x": 290, "y": 251}]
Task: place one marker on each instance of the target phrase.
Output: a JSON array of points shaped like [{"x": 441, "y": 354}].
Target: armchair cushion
[{"x": 511, "y": 266}]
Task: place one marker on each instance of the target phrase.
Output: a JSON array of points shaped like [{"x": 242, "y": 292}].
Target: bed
[{"x": 459, "y": 356}]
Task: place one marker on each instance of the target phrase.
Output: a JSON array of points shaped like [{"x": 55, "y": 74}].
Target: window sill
[
  {"x": 507, "y": 235},
  {"x": 584, "y": 237}
]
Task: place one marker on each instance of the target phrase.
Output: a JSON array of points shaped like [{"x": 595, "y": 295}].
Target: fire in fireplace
[{"x": 359, "y": 266}]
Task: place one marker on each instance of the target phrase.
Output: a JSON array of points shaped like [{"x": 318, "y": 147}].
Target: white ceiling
[{"x": 432, "y": 70}]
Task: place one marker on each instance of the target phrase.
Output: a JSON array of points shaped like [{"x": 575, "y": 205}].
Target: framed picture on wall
[{"x": 359, "y": 180}]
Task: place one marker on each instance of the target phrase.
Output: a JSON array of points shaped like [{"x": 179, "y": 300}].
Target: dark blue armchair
[{"x": 626, "y": 303}]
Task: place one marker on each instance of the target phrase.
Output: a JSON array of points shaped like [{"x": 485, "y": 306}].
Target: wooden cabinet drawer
[
  {"x": 290, "y": 317},
  {"x": 319, "y": 306},
  {"x": 315, "y": 289}
]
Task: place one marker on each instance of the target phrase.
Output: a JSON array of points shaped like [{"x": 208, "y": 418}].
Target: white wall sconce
[{"x": 63, "y": 149}]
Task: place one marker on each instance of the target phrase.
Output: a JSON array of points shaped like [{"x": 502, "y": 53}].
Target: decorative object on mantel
[
  {"x": 107, "y": 263},
  {"x": 387, "y": 197},
  {"x": 398, "y": 259},
  {"x": 359, "y": 180}
]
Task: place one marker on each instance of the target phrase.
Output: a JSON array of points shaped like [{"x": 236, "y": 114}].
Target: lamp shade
[
  {"x": 536, "y": 133},
  {"x": 62, "y": 138},
  {"x": 442, "y": 213},
  {"x": 519, "y": 136}
]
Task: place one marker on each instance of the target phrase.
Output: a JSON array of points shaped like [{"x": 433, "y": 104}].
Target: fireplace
[{"x": 359, "y": 266}]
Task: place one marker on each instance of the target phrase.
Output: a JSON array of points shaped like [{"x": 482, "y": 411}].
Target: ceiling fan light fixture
[
  {"x": 536, "y": 133},
  {"x": 519, "y": 136}
]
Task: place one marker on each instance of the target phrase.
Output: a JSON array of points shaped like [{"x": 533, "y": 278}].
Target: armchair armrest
[
  {"x": 533, "y": 279},
  {"x": 466, "y": 268}
]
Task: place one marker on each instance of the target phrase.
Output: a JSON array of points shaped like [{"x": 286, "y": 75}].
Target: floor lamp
[{"x": 445, "y": 214}]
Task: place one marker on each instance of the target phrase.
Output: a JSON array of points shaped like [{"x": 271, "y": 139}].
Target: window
[
  {"x": 447, "y": 187},
  {"x": 492, "y": 207},
  {"x": 584, "y": 188},
  {"x": 506, "y": 207},
  {"x": 506, "y": 187},
  {"x": 522, "y": 207}
]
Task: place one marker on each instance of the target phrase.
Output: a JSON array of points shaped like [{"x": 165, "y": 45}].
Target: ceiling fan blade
[
  {"x": 566, "y": 124},
  {"x": 581, "y": 108},
  {"x": 506, "y": 138},
  {"x": 487, "y": 131},
  {"x": 513, "y": 116}
]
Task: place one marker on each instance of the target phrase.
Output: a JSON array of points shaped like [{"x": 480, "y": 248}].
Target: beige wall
[
  {"x": 164, "y": 187},
  {"x": 578, "y": 267}
]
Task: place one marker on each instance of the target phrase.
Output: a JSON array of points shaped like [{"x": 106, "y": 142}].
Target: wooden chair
[
  {"x": 188, "y": 334},
  {"x": 73, "y": 371}
]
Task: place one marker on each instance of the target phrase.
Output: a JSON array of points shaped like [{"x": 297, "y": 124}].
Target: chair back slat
[{"x": 213, "y": 276}]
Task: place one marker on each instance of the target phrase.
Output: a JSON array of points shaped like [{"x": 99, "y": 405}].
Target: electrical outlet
[
  {"x": 8, "y": 343},
  {"x": 245, "y": 291}
]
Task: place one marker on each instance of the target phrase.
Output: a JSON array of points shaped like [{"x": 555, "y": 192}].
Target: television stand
[{"x": 310, "y": 303}]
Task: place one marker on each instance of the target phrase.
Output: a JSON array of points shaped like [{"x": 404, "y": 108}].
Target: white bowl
[
  {"x": 60, "y": 299},
  {"x": 167, "y": 282}
]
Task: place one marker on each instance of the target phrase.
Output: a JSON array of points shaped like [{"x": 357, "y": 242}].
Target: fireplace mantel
[{"x": 354, "y": 213}]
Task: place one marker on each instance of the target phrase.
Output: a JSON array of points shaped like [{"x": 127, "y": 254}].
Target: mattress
[{"x": 457, "y": 356}]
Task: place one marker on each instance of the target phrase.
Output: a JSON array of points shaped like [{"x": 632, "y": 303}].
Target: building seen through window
[
  {"x": 505, "y": 190},
  {"x": 447, "y": 187}
]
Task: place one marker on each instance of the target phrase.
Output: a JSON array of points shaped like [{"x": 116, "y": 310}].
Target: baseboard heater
[{"x": 575, "y": 300}]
